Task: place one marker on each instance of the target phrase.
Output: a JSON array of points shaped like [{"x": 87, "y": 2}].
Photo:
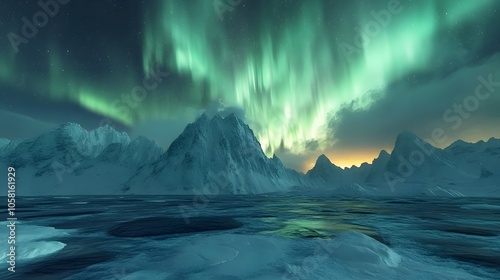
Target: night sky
[{"x": 339, "y": 77}]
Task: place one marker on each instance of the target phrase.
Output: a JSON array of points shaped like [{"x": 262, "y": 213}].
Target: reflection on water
[{"x": 466, "y": 231}]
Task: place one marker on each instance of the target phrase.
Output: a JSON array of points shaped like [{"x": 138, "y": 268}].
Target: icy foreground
[
  {"x": 37, "y": 242},
  {"x": 236, "y": 256},
  {"x": 256, "y": 237},
  {"x": 222, "y": 156}
]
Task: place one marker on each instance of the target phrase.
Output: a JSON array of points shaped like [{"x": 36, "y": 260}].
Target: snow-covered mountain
[
  {"x": 481, "y": 158},
  {"x": 417, "y": 168},
  {"x": 72, "y": 160},
  {"x": 378, "y": 167},
  {"x": 211, "y": 156},
  {"x": 65, "y": 144},
  {"x": 325, "y": 172},
  {"x": 136, "y": 153},
  {"x": 414, "y": 159},
  {"x": 222, "y": 155}
]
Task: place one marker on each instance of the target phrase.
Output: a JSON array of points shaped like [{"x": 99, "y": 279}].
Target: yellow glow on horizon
[{"x": 346, "y": 158}]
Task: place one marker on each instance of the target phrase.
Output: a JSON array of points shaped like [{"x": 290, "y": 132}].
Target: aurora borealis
[{"x": 295, "y": 68}]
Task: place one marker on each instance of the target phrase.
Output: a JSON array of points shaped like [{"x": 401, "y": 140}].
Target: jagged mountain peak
[
  {"x": 104, "y": 129},
  {"x": 276, "y": 158},
  {"x": 138, "y": 152},
  {"x": 324, "y": 170},
  {"x": 383, "y": 156},
  {"x": 323, "y": 160},
  {"x": 458, "y": 143},
  {"x": 233, "y": 118},
  {"x": 69, "y": 129},
  {"x": 66, "y": 144},
  {"x": 210, "y": 147},
  {"x": 323, "y": 164},
  {"x": 384, "y": 153},
  {"x": 144, "y": 141},
  {"x": 407, "y": 142},
  {"x": 203, "y": 124},
  {"x": 460, "y": 147},
  {"x": 69, "y": 125},
  {"x": 229, "y": 122},
  {"x": 229, "y": 132},
  {"x": 493, "y": 141},
  {"x": 406, "y": 137},
  {"x": 203, "y": 118},
  {"x": 75, "y": 130}
]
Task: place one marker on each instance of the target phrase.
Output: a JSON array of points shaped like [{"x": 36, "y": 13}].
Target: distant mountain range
[
  {"x": 417, "y": 168},
  {"x": 222, "y": 156}
]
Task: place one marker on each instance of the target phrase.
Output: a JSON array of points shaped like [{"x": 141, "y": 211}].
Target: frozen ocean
[{"x": 255, "y": 237}]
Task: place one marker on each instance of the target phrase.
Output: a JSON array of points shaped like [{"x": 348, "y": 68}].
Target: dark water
[{"x": 158, "y": 237}]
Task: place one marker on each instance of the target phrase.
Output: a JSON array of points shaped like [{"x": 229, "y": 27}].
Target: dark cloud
[
  {"x": 312, "y": 145},
  {"x": 420, "y": 108},
  {"x": 92, "y": 54}
]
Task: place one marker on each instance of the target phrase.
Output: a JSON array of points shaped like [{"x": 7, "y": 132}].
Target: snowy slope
[
  {"x": 355, "y": 172},
  {"x": 414, "y": 159},
  {"x": 222, "y": 155},
  {"x": 65, "y": 144},
  {"x": 137, "y": 153},
  {"x": 482, "y": 158},
  {"x": 326, "y": 173},
  {"x": 378, "y": 167},
  {"x": 415, "y": 168},
  {"x": 211, "y": 156},
  {"x": 72, "y": 160}
]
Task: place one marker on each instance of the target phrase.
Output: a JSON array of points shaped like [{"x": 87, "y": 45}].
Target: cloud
[
  {"x": 312, "y": 145},
  {"x": 219, "y": 108},
  {"x": 419, "y": 107}
]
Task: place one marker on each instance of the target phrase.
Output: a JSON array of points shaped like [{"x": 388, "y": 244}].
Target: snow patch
[{"x": 31, "y": 240}]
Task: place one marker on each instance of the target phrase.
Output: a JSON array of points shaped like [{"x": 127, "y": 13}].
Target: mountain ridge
[
  {"x": 216, "y": 147},
  {"x": 414, "y": 163},
  {"x": 222, "y": 155}
]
